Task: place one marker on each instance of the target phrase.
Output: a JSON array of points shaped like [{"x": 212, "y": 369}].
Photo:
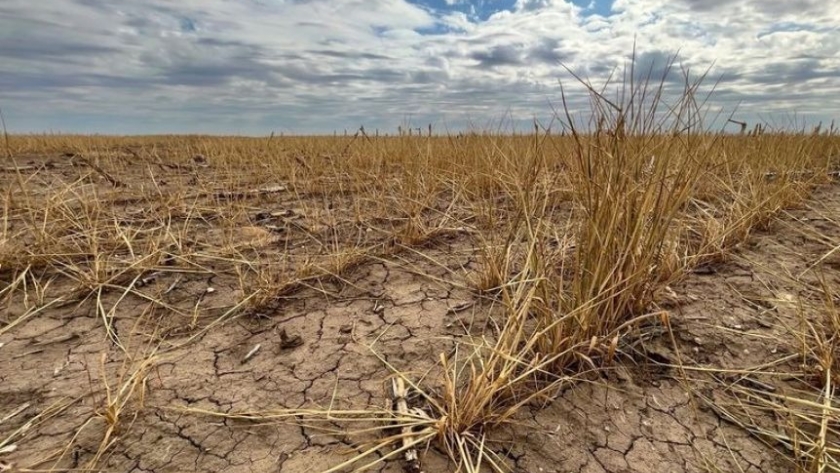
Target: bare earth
[{"x": 322, "y": 345}]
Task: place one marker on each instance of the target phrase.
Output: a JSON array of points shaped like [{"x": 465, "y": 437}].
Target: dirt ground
[{"x": 664, "y": 405}]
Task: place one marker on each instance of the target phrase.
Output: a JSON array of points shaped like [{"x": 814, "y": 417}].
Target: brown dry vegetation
[{"x": 643, "y": 296}]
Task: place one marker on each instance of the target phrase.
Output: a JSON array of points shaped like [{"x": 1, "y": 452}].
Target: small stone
[
  {"x": 289, "y": 341},
  {"x": 209, "y": 290},
  {"x": 346, "y": 328}
]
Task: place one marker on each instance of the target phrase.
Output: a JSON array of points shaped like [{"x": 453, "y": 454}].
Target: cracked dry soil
[{"x": 639, "y": 416}]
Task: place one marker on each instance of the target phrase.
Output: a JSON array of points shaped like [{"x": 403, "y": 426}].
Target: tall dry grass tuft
[
  {"x": 572, "y": 291},
  {"x": 632, "y": 171}
]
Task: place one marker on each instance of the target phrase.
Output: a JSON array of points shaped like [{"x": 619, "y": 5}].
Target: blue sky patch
[
  {"x": 187, "y": 25},
  {"x": 481, "y": 10}
]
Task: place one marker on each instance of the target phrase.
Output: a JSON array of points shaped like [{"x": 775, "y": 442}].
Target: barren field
[{"x": 615, "y": 301}]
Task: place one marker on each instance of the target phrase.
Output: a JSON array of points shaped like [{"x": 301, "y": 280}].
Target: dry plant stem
[
  {"x": 7, "y": 444},
  {"x": 7, "y": 147},
  {"x": 399, "y": 394},
  {"x": 130, "y": 386},
  {"x": 111, "y": 179},
  {"x": 422, "y": 429}
]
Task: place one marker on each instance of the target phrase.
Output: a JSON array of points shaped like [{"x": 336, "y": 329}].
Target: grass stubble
[{"x": 578, "y": 237}]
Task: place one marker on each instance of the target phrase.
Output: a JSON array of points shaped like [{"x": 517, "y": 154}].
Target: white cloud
[{"x": 315, "y": 65}]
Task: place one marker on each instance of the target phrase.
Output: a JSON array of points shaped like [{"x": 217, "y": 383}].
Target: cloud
[
  {"x": 502, "y": 55},
  {"x": 548, "y": 51},
  {"x": 762, "y": 7},
  {"x": 253, "y": 66}
]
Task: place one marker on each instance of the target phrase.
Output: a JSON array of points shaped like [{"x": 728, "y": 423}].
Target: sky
[{"x": 313, "y": 66}]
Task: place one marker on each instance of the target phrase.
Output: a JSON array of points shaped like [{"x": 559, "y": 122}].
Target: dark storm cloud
[
  {"x": 301, "y": 73},
  {"x": 725, "y": 7},
  {"x": 796, "y": 71},
  {"x": 428, "y": 76},
  {"x": 433, "y": 71},
  {"x": 203, "y": 67},
  {"x": 27, "y": 38},
  {"x": 707, "y": 5},
  {"x": 532, "y": 5},
  {"x": 98, "y": 4},
  {"x": 50, "y": 48},
  {"x": 600, "y": 68},
  {"x": 348, "y": 54},
  {"x": 18, "y": 81},
  {"x": 548, "y": 51},
  {"x": 209, "y": 75},
  {"x": 769, "y": 99},
  {"x": 33, "y": 82},
  {"x": 224, "y": 43},
  {"x": 380, "y": 75},
  {"x": 502, "y": 55},
  {"x": 656, "y": 66},
  {"x": 312, "y": 24},
  {"x": 13, "y": 16}
]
